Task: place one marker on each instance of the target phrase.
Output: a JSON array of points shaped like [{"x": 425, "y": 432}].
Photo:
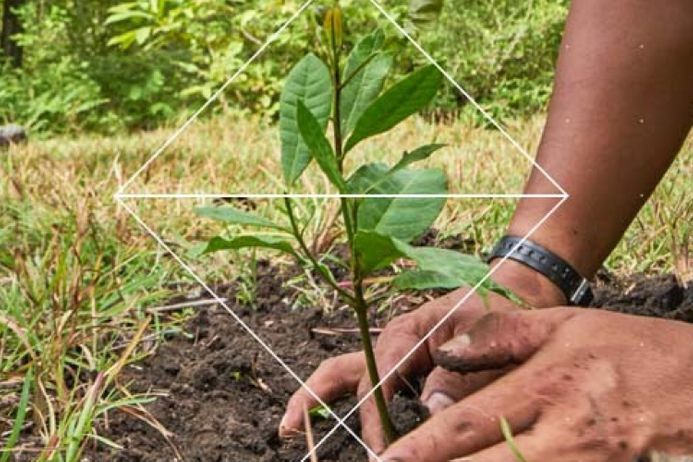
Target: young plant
[{"x": 383, "y": 208}]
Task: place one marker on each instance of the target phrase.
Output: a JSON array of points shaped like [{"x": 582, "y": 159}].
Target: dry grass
[{"x": 229, "y": 155}]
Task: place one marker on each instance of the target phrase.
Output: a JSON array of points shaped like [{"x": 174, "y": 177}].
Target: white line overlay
[
  {"x": 474, "y": 103},
  {"x": 121, "y": 197},
  {"x": 442, "y": 320},
  {"x": 215, "y": 96},
  {"x": 336, "y": 196},
  {"x": 251, "y": 332}
]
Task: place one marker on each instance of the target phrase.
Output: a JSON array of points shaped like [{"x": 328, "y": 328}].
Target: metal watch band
[{"x": 576, "y": 288}]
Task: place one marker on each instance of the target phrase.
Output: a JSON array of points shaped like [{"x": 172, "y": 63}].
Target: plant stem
[
  {"x": 359, "y": 303},
  {"x": 320, "y": 268},
  {"x": 389, "y": 433},
  {"x": 337, "y": 119},
  {"x": 358, "y": 69}
]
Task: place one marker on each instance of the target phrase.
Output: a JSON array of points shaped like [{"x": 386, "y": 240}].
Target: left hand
[{"x": 591, "y": 386}]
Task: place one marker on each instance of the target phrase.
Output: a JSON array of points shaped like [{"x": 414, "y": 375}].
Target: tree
[{"x": 11, "y": 26}]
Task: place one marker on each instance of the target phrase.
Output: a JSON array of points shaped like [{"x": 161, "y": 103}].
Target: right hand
[{"x": 347, "y": 374}]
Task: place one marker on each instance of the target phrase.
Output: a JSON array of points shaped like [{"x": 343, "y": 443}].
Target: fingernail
[
  {"x": 284, "y": 430},
  {"x": 391, "y": 459},
  {"x": 458, "y": 343},
  {"x": 438, "y": 401}
]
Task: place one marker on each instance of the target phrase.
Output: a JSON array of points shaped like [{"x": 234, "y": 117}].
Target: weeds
[{"x": 69, "y": 295}]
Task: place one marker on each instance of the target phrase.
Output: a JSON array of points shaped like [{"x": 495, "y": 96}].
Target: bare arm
[
  {"x": 621, "y": 109},
  {"x": 622, "y": 106}
]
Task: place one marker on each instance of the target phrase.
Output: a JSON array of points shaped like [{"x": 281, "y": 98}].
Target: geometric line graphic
[
  {"x": 334, "y": 196},
  {"x": 273, "y": 37},
  {"x": 442, "y": 321},
  {"x": 122, "y": 198},
  {"x": 221, "y": 301}
]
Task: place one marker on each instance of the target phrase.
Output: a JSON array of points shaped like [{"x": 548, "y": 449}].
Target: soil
[
  {"x": 660, "y": 296},
  {"x": 223, "y": 395}
]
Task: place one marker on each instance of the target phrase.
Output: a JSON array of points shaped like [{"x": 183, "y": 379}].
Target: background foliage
[{"x": 108, "y": 65}]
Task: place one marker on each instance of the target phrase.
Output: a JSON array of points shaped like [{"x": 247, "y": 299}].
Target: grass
[{"x": 77, "y": 276}]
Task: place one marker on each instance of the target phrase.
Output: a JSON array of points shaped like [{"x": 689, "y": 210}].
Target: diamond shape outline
[{"x": 121, "y": 196}]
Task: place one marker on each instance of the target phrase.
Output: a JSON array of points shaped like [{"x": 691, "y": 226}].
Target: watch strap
[{"x": 576, "y": 288}]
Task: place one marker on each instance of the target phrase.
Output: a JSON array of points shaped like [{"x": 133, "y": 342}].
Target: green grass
[{"x": 77, "y": 274}]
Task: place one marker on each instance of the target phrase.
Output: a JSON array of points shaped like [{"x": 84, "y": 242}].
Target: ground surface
[
  {"x": 225, "y": 397},
  {"x": 69, "y": 257}
]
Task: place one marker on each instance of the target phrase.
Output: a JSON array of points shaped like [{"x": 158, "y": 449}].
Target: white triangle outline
[{"x": 121, "y": 196}]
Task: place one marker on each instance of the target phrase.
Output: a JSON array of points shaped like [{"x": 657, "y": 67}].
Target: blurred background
[{"x": 109, "y": 66}]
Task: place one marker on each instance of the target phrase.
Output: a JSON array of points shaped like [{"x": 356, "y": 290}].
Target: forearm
[{"x": 622, "y": 107}]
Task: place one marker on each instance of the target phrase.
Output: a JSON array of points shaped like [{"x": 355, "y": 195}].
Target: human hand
[
  {"x": 347, "y": 374},
  {"x": 592, "y": 386}
]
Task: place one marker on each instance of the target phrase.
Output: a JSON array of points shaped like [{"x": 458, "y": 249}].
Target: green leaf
[
  {"x": 314, "y": 137},
  {"x": 125, "y": 15},
  {"x": 404, "y": 218},
  {"x": 423, "y": 12},
  {"x": 365, "y": 71},
  {"x": 425, "y": 280},
  {"x": 440, "y": 268},
  {"x": 309, "y": 82},
  {"x": 363, "y": 50},
  {"x": 235, "y": 216},
  {"x": 20, "y": 416},
  {"x": 142, "y": 34},
  {"x": 125, "y": 40},
  {"x": 418, "y": 154},
  {"x": 375, "y": 251},
  {"x": 435, "y": 268},
  {"x": 319, "y": 411},
  {"x": 403, "y": 99},
  {"x": 370, "y": 178},
  {"x": 218, "y": 243},
  {"x": 445, "y": 260}
]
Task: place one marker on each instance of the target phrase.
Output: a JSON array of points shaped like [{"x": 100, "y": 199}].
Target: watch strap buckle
[{"x": 582, "y": 295}]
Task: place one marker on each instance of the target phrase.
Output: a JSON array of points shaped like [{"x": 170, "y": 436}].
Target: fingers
[
  {"x": 501, "y": 339},
  {"x": 470, "y": 425},
  {"x": 398, "y": 339},
  {"x": 444, "y": 388},
  {"x": 371, "y": 427},
  {"x": 552, "y": 441},
  {"x": 335, "y": 377},
  {"x": 503, "y": 452}
]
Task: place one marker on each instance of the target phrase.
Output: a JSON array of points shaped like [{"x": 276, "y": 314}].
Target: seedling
[{"x": 383, "y": 207}]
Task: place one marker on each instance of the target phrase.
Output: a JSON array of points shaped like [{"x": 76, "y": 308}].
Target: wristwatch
[{"x": 576, "y": 288}]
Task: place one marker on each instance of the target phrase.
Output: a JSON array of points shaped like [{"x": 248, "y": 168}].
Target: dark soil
[
  {"x": 660, "y": 296},
  {"x": 224, "y": 395}
]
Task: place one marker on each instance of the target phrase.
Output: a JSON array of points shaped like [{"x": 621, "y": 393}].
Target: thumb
[{"x": 499, "y": 340}]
